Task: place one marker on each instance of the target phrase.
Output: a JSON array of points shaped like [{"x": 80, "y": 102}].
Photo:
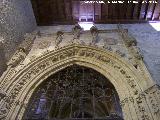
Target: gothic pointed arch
[{"x": 18, "y": 86}]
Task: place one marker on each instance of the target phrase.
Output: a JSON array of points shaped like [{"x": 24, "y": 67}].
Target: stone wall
[
  {"x": 2, "y": 59},
  {"x": 16, "y": 18},
  {"x": 149, "y": 42}
]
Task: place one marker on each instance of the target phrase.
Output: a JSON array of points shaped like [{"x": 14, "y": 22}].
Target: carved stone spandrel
[
  {"x": 28, "y": 41},
  {"x": 17, "y": 58}
]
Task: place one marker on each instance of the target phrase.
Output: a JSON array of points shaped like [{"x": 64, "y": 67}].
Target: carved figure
[
  {"x": 94, "y": 32},
  {"x": 17, "y": 58},
  {"x": 58, "y": 39},
  {"x": 76, "y": 32}
]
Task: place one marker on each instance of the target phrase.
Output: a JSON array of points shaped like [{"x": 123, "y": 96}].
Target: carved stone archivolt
[
  {"x": 153, "y": 95},
  {"x": 125, "y": 78}
]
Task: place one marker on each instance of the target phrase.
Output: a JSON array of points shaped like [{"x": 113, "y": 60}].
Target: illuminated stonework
[{"x": 121, "y": 63}]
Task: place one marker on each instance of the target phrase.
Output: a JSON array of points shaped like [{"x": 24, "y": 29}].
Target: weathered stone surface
[
  {"x": 16, "y": 18},
  {"x": 3, "y": 65},
  {"x": 130, "y": 80},
  {"x": 149, "y": 42}
]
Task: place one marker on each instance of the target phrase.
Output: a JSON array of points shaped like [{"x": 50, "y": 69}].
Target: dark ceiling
[{"x": 49, "y": 12}]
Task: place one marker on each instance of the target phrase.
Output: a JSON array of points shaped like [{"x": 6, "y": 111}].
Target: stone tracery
[{"x": 75, "y": 92}]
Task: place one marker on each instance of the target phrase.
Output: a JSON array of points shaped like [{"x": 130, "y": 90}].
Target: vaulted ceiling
[{"x": 48, "y": 12}]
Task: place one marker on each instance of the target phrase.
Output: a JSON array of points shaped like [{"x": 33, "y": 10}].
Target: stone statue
[
  {"x": 76, "y": 32},
  {"x": 58, "y": 39},
  {"x": 94, "y": 32},
  {"x": 17, "y": 58},
  {"x": 137, "y": 53}
]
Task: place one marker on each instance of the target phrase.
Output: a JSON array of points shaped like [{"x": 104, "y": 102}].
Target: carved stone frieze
[
  {"x": 139, "y": 98},
  {"x": 6, "y": 78}
]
